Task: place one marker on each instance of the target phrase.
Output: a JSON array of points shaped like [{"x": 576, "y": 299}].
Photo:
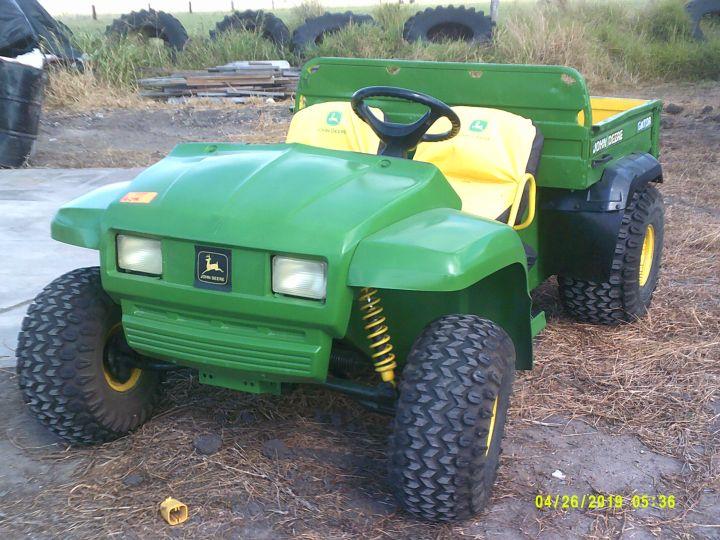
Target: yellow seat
[
  {"x": 335, "y": 126},
  {"x": 491, "y": 163}
]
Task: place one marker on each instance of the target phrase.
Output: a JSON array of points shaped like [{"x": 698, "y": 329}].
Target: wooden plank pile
[{"x": 235, "y": 81}]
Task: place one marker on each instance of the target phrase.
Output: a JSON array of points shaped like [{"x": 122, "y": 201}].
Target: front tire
[
  {"x": 628, "y": 292},
  {"x": 454, "y": 396},
  {"x": 74, "y": 366}
]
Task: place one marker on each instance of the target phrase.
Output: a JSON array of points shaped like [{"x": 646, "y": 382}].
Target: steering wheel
[{"x": 399, "y": 139}]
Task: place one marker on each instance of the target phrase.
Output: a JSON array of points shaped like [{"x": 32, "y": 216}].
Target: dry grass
[
  {"x": 72, "y": 91},
  {"x": 541, "y": 36}
]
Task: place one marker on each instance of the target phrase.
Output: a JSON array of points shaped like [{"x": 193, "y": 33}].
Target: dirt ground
[{"x": 632, "y": 410}]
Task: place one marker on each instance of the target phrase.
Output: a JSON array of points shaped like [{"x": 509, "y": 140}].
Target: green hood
[{"x": 284, "y": 198}]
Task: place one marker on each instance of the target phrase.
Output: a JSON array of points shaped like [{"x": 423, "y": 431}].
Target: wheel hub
[
  {"x": 491, "y": 429},
  {"x": 118, "y": 370},
  {"x": 647, "y": 255}
]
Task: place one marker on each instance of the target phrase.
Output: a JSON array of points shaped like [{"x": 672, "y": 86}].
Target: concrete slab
[{"x": 31, "y": 259}]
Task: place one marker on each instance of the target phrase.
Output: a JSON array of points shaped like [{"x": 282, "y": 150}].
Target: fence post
[
  {"x": 190, "y": 7},
  {"x": 494, "y": 10},
  {"x": 232, "y": 5},
  {"x": 94, "y": 13}
]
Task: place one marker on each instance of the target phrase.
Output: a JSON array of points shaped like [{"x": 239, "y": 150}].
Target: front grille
[{"x": 205, "y": 340}]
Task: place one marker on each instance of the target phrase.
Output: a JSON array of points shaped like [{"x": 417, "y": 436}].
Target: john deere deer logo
[
  {"x": 333, "y": 118},
  {"x": 211, "y": 266},
  {"x": 478, "y": 126}
]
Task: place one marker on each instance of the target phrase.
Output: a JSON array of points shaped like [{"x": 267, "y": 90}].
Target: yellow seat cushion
[
  {"x": 335, "y": 126},
  {"x": 486, "y": 163}
]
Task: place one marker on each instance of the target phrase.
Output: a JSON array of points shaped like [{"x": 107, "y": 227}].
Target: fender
[
  {"x": 442, "y": 262},
  {"x": 579, "y": 228},
  {"x": 436, "y": 250},
  {"x": 79, "y": 221}
]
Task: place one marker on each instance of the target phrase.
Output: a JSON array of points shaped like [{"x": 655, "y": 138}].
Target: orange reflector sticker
[{"x": 139, "y": 197}]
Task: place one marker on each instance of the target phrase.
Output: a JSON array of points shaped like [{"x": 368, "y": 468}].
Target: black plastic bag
[
  {"x": 16, "y": 34},
  {"x": 25, "y": 25}
]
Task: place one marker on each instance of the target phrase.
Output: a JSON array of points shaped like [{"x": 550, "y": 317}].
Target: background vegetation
[{"x": 611, "y": 43}]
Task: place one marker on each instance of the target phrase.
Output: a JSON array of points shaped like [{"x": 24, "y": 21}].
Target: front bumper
[{"x": 223, "y": 344}]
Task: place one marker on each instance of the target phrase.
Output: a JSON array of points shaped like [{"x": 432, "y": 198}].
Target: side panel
[
  {"x": 578, "y": 229},
  {"x": 441, "y": 262},
  {"x": 634, "y": 130},
  {"x": 501, "y": 297}
]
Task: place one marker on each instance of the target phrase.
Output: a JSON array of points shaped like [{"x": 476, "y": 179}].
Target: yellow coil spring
[{"x": 377, "y": 334}]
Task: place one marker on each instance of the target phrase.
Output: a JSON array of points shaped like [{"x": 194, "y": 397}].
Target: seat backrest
[
  {"x": 493, "y": 146},
  {"x": 335, "y": 126}
]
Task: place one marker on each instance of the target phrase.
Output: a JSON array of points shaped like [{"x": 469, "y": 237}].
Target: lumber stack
[{"x": 235, "y": 81}]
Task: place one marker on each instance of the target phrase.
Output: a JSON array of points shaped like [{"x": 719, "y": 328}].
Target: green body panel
[
  {"x": 640, "y": 130},
  {"x": 443, "y": 262},
  {"x": 79, "y": 222},
  {"x": 256, "y": 201},
  {"x": 501, "y": 297},
  {"x": 386, "y": 223},
  {"x": 436, "y": 250}
]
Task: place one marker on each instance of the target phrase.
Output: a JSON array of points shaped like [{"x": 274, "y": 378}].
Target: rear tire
[
  {"x": 72, "y": 363},
  {"x": 454, "y": 396},
  {"x": 633, "y": 277}
]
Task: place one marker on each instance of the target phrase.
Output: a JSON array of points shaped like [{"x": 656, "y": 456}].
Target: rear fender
[
  {"x": 579, "y": 228},
  {"x": 79, "y": 221},
  {"x": 443, "y": 262}
]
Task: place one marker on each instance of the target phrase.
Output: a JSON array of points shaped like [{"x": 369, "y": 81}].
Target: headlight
[
  {"x": 137, "y": 254},
  {"x": 299, "y": 277}
]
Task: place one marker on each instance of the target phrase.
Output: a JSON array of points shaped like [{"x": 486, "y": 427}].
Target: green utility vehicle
[{"x": 386, "y": 251}]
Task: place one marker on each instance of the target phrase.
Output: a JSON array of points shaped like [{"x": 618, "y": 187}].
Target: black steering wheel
[{"x": 399, "y": 139}]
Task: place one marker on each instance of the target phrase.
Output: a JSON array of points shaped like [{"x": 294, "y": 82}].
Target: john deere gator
[{"x": 386, "y": 250}]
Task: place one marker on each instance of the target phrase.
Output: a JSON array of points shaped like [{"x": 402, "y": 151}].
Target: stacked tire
[
  {"x": 314, "y": 30},
  {"x": 267, "y": 24},
  {"x": 151, "y": 24},
  {"x": 697, "y": 10},
  {"x": 449, "y": 23},
  {"x": 21, "y": 91}
]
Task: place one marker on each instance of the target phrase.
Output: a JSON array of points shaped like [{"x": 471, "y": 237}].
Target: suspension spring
[{"x": 377, "y": 334}]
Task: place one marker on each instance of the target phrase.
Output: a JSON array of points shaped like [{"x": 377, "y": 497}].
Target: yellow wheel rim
[
  {"x": 647, "y": 255},
  {"x": 117, "y": 384},
  {"x": 491, "y": 429}
]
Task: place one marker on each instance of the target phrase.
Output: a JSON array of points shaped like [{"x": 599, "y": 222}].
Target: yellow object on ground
[
  {"x": 173, "y": 511},
  {"x": 335, "y": 126},
  {"x": 486, "y": 163}
]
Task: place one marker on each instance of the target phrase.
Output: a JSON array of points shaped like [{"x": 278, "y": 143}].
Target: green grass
[{"x": 611, "y": 43}]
